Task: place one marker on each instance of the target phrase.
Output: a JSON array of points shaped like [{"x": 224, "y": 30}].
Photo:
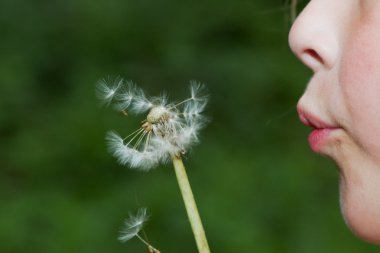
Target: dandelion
[
  {"x": 132, "y": 227},
  {"x": 167, "y": 132}
]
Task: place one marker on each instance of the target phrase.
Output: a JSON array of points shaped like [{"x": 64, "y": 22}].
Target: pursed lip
[
  {"x": 309, "y": 119},
  {"x": 322, "y": 130}
]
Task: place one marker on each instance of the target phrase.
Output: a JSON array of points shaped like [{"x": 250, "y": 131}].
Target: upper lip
[{"x": 313, "y": 121}]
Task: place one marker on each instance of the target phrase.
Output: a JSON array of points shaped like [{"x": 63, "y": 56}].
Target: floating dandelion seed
[
  {"x": 132, "y": 227},
  {"x": 169, "y": 129}
]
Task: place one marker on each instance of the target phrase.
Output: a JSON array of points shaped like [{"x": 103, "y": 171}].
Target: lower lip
[{"x": 318, "y": 137}]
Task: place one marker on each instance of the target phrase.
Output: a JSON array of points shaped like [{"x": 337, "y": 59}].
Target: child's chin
[
  {"x": 364, "y": 233},
  {"x": 362, "y": 223}
]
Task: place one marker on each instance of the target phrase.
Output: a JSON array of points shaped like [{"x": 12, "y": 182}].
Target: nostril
[
  {"x": 312, "y": 59},
  {"x": 314, "y": 54}
]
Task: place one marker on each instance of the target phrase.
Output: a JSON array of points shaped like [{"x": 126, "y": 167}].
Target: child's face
[{"x": 340, "y": 42}]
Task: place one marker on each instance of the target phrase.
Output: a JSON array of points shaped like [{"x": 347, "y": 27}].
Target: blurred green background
[{"x": 258, "y": 186}]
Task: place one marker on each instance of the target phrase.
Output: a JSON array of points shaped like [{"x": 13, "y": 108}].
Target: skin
[{"x": 340, "y": 42}]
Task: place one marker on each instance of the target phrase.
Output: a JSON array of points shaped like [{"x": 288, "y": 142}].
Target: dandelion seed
[
  {"x": 133, "y": 225},
  {"x": 169, "y": 129},
  {"x": 140, "y": 103},
  {"x": 108, "y": 88},
  {"x": 125, "y": 97},
  {"x": 196, "y": 90}
]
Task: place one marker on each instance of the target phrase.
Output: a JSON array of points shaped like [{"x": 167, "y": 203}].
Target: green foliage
[{"x": 258, "y": 187}]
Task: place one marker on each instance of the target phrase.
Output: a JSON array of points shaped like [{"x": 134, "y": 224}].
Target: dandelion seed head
[
  {"x": 133, "y": 225},
  {"x": 169, "y": 129},
  {"x": 158, "y": 113}
]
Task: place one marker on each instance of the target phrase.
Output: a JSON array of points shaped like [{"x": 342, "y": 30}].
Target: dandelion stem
[{"x": 191, "y": 207}]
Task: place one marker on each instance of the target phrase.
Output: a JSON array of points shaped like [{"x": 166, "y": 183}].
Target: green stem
[{"x": 191, "y": 207}]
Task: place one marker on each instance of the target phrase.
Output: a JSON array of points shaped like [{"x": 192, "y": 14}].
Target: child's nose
[{"x": 313, "y": 37}]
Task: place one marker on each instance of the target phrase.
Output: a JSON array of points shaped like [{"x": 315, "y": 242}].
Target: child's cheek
[
  {"x": 359, "y": 86},
  {"x": 359, "y": 80}
]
